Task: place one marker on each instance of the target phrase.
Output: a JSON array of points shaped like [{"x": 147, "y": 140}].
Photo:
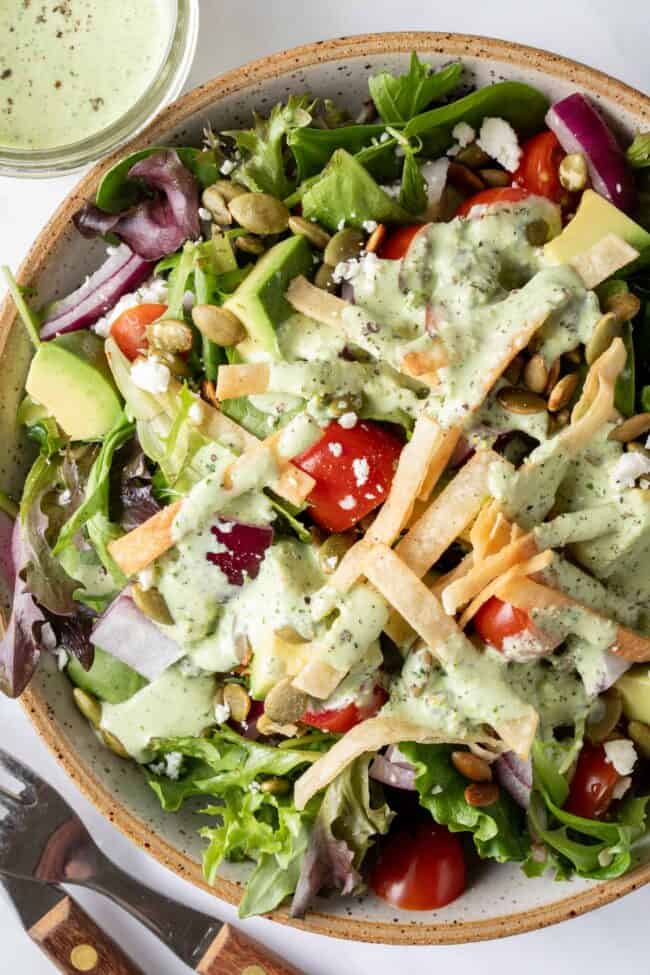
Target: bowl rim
[{"x": 35, "y": 702}]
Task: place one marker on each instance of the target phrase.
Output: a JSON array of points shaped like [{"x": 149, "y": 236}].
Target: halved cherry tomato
[
  {"x": 129, "y": 328},
  {"x": 499, "y": 194},
  {"x": 539, "y": 165},
  {"x": 497, "y": 620},
  {"x": 340, "y": 720},
  {"x": 593, "y": 784},
  {"x": 397, "y": 243},
  {"x": 419, "y": 869},
  {"x": 353, "y": 468}
]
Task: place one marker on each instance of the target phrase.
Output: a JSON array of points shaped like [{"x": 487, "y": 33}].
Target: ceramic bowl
[{"x": 500, "y": 900}]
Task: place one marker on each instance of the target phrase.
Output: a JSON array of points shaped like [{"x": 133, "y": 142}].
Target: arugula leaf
[
  {"x": 116, "y": 192},
  {"x": 499, "y": 830},
  {"x": 413, "y": 192},
  {"x": 288, "y": 514},
  {"x": 29, "y": 318},
  {"x": 264, "y": 168},
  {"x": 313, "y": 148},
  {"x": 399, "y": 98},
  {"x": 178, "y": 281},
  {"x": 347, "y": 192},
  {"x": 638, "y": 153}
]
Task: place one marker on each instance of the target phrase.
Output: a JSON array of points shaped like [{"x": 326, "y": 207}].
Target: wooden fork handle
[
  {"x": 75, "y": 943},
  {"x": 232, "y": 953}
]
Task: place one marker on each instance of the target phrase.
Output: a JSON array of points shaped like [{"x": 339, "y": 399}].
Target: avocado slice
[
  {"x": 108, "y": 679},
  {"x": 594, "y": 219},
  {"x": 70, "y": 377},
  {"x": 634, "y": 688},
  {"x": 260, "y": 301}
]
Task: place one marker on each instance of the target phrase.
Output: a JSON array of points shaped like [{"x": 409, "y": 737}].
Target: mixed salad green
[{"x": 339, "y": 518}]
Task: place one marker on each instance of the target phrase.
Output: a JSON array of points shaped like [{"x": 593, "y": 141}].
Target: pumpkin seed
[
  {"x": 553, "y": 374},
  {"x": 213, "y": 201},
  {"x": 513, "y": 371},
  {"x": 475, "y": 157},
  {"x": 640, "y": 735},
  {"x": 284, "y": 703},
  {"x": 636, "y": 445},
  {"x": 176, "y": 364},
  {"x": 114, "y": 743},
  {"x": 573, "y": 172},
  {"x": 471, "y": 766},
  {"x": 464, "y": 178},
  {"x": 260, "y": 213},
  {"x": 237, "y": 699},
  {"x": 88, "y": 705},
  {"x": 481, "y": 794},
  {"x": 537, "y": 232},
  {"x": 495, "y": 177},
  {"x": 170, "y": 336},
  {"x": 625, "y": 306},
  {"x": 338, "y": 405},
  {"x": 607, "y": 328},
  {"x": 275, "y": 786},
  {"x": 325, "y": 278},
  {"x": 598, "y": 731},
  {"x": 517, "y": 400},
  {"x": 343, "y": 246},
  {"x": 562, "y": 393},
  {"x": 152, "y": 603},
  {"x": 314, "y": 234},
  {"x": 266, "y": 726},
  {"x": 229, "y": 189},
  {"x": 630, "y": 429},
  {"x": 536, "y": 374},
  {"x": 376, "y": 239},
  {"x": 332, "y": 551},
  {"x": 209, "y": 392},
  {"x": 218, "y": 324},
  {"x": 249, "y": 244}
]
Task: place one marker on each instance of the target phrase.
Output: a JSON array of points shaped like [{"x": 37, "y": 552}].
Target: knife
[{"x": 64, "y": 932}]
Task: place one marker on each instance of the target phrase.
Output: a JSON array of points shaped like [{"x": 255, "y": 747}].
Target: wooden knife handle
[
  {"x": 74, "y": 943},
  {"x": 232, "y": 953}
]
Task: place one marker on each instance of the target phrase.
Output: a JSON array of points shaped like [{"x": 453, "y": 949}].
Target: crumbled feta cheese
[
  {"x": 499, "y": 140},
  {"x": 347, "y": 503},
  {"x": 195, "y": 413},
  {"x": 622, "y": 787},
  {"x": 434, "y": 173},
  {"x": 522, "y": 646},
  {"x": 629, "y": 466},
  {"x": 221, "y": 713},
  {"x": 153, "y": 290},
  {"x": 173, "y": 762},
  {"x": 225, "y": 527},
  {"x": 345, "y": 270},
  {"x": 335, "y": 449},
  {"x": 605, "y": 857},
  {"x": 370, "y": 497},
  {"x": 147, "y": 577},
  {"x": 61, "y": 658},
  {"x": 454, "y": 149},
  {"x": 436, "y": 790},
  {"x": 65, "y": 496},
  {"x": 621, "y": 754},
  {"x": 204, "y": 214},
  {"x": 341, "y": 224},
  {"x": 463, "y": 133},
  {"x": 189, "y": 300},
  {"x": 254, "y": 786},
  {"x": 369, "y": 226},
  {"x": 384, "y": 137},
  {"x": 151, "y": 375},
  {"x": 361, "y": 470},
  {"x": 227, "y": 167},
  {"x": 392, "y": 189},
  {"x": 331, "y": 561},
  {"x": 348, "y": 420}
]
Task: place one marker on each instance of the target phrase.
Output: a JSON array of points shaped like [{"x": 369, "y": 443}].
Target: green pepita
[
  {"x": 314, "y": 234},
  {"x": 152, "y": 603},
  {"x": 249, "y": 244},
  {"x": 332, "y": 551},
  {"x": 114, "y": 743},
  {"x": 600, "y": 730},
  {"x": 495, "y": 177},
  {"x": 229, "y": 189},
  {"x": 260, "y": 213},
  {"x": 169, "y": 336},
  {"x": 563, "y": 391},
  {"x": 88, "y": 705},
  {"x": 537, "y": 232},
  {"x": 284, "y": 703},
  {"x": 536, "y": 374},
  {"x": 625, "y": 306},
  {"x": 213, "y": 201},
  {"x": 275, "y": 786},
  {"x": 325, "y": 278},
  {"x": 631, "y": 429},
  {"x": 523, "y": 401},
  {"x": 345, "y": 245},
  {"x": 218, "y": 324},
  {"x": 607, "y": 328},
  {"x": 238, "y": 701},
  {"x": 573, "y": 172}
]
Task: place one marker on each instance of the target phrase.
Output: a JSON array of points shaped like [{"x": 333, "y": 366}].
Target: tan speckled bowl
[{"x": 500, "y": 900}]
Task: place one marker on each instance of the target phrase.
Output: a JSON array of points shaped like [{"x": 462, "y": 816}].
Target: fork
[{"x": 43, "y": 839}]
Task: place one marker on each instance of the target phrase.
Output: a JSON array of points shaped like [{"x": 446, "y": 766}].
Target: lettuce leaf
[
  {"x": 399, "y": 97},
  {"x": 499, "y": 831}
]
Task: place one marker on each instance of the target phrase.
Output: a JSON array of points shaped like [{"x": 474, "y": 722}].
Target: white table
[{"x": 610, "y": 36}]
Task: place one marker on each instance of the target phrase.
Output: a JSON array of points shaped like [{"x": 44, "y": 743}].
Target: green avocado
[
  {"x": 594, "y": 219},
  {"x": 634, "y": 688},
  {"x": 260, "y": 301},
  {"x": 108, "y": 679},
  {"x": 70, "y": 377}
]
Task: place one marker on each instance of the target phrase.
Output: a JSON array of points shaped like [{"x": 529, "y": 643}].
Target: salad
[{"x": 339, "y": 518}]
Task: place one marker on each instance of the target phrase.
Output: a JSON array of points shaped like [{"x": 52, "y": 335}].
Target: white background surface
[{"x": 607, "y": 35}]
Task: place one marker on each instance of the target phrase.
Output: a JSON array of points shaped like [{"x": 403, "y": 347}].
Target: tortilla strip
[
  {"x": 603, "y": 259},
  {"x": 318, "y": 679},
  {"x": 460, "y": 592},
  {"x": 369, "y": 736},
  {"x": 420, "y": 608},
  {"x": 528, "y": 595},
  {"x": 527, "y": 568},
  {"x": 247, "y": 379},
  {"x": 605, "y": 369},
  {"x": 316, "y": 303},
  {"x": 458, "y": 572},
  {"x": 439, "y": 461}
]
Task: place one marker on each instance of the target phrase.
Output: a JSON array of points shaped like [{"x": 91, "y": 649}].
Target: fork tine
[
  {"x": 8, "y": 804},
  {"x": 19, "y": 771}
]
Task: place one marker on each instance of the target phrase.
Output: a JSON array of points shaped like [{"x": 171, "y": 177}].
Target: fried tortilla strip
[
  {"x": 439, "y": 462},
  {"x": 529, "y": 595},
  {"x": 247, "y": 379},
  {"x": 462, "y": 591},
  {"x": 528, "y": 568},
  {"x": 318, "y": 679},
  {"x": 316, "y": 303},
  {"x": 605, "y": 258}
]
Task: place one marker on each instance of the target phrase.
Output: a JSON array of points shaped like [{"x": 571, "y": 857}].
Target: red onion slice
[
  {"x": 126, "y": 633},
  {"x": 7, "y": 555},
  {"x": 516, "y": 777},
  {"x": 580, "y": 128},
  {"x": 120, "y": 274},
  {"x": 393, "y": 769},
  {"x": 243, "y": 547}
]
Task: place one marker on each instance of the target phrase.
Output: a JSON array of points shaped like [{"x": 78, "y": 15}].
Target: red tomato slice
[
  {"x": 129, "y": 328},
  {"x": 397, "y": 243},
  {"x": 499, "y": 194},
  {"x": 340, "y": 720},
  {"x": 353, "y": 469},
  {"x": 593, "y": 784},
  {"x": 497, "y": 620},
  {"x": 419, "y": 869},
  {"x": 538, "y": 169}
]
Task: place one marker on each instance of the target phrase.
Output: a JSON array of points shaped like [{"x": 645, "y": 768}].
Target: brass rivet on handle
[
  {"x": 253, "y": 970},
  {"x": 84, "y": 958}
]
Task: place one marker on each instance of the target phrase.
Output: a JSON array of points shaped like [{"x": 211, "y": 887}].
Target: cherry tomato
[
  {"x": 397, "y": 243},
  {"x": 340, "y": 720},
  {"x": 593, "y": 784},
  {"x": 499, "y": 194},
  {"x": 130, "y": 327},
  {"x": 353, "y": 469},
  {"x": 419, "y": 868},
  {"x": 497, "y": 620},
  {"x": 538, "y": 169}
]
